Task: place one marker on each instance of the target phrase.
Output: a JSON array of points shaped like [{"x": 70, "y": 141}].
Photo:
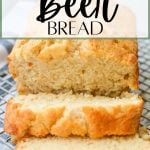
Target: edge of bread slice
[
  {"x": 110, "y": 143},
  {"x": 67, "y": 114}
]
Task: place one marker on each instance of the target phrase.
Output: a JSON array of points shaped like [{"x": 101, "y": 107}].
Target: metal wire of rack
[
  {"x": 144, "y": 80},
  {"x": 7, "y": 90}
]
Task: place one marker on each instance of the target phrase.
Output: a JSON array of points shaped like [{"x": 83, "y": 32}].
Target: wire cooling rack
[{"x": 7, "y": 90}]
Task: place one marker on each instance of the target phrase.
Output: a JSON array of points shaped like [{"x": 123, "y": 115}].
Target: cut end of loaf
[{"x": 98, "y": 67}]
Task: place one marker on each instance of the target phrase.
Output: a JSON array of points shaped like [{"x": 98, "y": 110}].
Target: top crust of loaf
[
  {"x": 98, "y": 67},
  {"x": 45, "y": 50}
]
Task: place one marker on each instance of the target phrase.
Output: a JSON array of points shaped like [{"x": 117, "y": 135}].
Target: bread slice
[
  {"x": 98, "y": 67},
  {"x": 113, "y": 143},
  {"x": 68, "y": 114}
]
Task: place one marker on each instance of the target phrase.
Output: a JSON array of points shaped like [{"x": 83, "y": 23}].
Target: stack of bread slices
[{"x": 75, "y": 94}]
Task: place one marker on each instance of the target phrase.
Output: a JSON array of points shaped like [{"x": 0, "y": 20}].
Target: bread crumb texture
[
  {"x": 98, "y": 67},
  {"x": 111, "y": 143}
]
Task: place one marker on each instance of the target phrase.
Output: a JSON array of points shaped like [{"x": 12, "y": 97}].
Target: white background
[{"x": 15, "y": 13}]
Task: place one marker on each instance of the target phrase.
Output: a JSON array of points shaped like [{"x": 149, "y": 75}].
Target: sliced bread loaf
[
  {"x": 68, "y": 114},
  {"x": 99, "y": 67}
]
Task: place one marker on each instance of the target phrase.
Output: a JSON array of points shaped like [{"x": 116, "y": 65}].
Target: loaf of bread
[
  {"x": 68, "y": 114},
  {"x": 98, "y": 67},
  {"x": 113, "y": 143}
]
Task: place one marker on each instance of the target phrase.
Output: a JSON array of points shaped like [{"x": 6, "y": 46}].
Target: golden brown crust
[
  {"x": 122, "y": 123},
  {"x": 63, "y": 121},
  {"x": 124, "y": 51},
  {"x": 12, "y": 123},
  {"x": 118, "y": 49},
  {"x": 21, "y": 122}
]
